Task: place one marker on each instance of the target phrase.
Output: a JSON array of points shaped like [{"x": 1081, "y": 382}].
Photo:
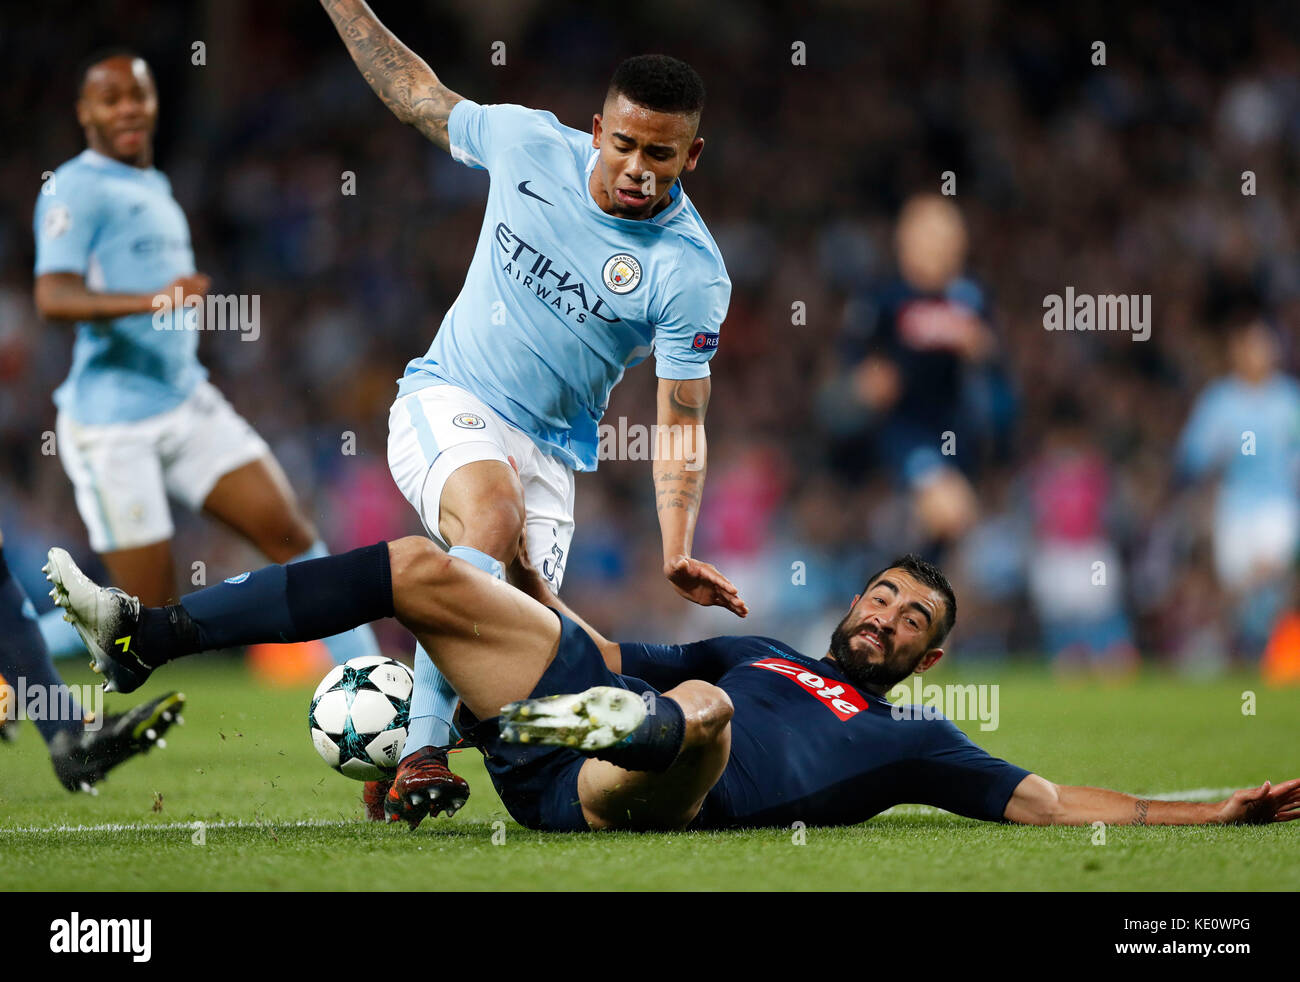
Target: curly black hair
[{"x": 659, "y": 82}]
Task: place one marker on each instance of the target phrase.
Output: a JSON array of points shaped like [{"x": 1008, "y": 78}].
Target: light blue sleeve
[
  {"x": 687, "y": 332},
  {"x": 1293, "y": 413},
  {"x": 65, "y": 224},
  {"x": 478, "y": 134},
  {"x": 1200, "y": 445}
]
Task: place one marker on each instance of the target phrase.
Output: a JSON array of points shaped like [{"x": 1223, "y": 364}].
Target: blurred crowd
[{"x": 884, "y": 380}]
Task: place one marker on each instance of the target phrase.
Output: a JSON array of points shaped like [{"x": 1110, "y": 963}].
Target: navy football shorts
[{"x": 539, "y": 785}]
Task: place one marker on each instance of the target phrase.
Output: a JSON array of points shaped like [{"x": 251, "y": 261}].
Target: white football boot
[
  {"x": 106, "y": 618},
  {"x": 598, "y": 719}
]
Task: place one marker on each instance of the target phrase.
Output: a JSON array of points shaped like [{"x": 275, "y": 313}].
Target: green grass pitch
[{"x": 277, "y": 819}]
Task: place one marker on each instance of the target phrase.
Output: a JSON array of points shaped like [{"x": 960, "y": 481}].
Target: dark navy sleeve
[
  {"x": 960, "y": 777},
  {"x": 667, "y": 665}
]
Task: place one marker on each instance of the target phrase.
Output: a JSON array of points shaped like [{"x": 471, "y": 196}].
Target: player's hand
[
  {"x": 877, "y": 384},
  {"x": 975, "y": 341},
  {"x": 701, "y": 583},
  {"x": 190, "y": 285},
  {"x": 1264, "y": 804}
]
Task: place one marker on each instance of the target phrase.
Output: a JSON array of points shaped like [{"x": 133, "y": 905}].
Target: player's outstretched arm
[
  {"x": 680, "y": 460},
  {"x": 1037, "y": 801},
  {"x": 65, "y": 296},
  {"x": 399, "y": 76}
]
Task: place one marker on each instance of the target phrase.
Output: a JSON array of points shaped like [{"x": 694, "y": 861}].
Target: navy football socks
[
  {"x": 655, "y": 744},
  {"x": 25, "y": 661},
  {"x": 303, "y": 601}
]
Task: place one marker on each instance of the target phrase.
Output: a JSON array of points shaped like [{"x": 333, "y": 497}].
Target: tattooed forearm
[
  {"x": 676, "y": 496},
  {"x": 678, "y": 489},
  {"x": 407, "y": 86},
  {"x": 1141, "y": 809},
  {"x": 680, "y": 460}
]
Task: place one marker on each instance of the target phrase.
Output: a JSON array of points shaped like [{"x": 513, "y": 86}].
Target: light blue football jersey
[
  {"x": 119, "y": 227},
  {"x": 561, "y": 297},
  {"x": 1252, "y": 432}
]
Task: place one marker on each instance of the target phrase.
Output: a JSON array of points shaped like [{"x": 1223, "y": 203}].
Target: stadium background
[{"x": 1117, "y": 179}]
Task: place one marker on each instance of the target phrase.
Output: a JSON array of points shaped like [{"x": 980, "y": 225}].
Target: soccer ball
[{"x": 359, "y": 714}]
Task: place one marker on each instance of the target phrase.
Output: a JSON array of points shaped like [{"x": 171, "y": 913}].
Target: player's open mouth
[
  {"x": 872, "y": 639},
  {"x": 631, "y": 197}
]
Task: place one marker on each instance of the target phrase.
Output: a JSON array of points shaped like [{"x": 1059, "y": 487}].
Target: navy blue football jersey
[{"x": 808, "y": 746}]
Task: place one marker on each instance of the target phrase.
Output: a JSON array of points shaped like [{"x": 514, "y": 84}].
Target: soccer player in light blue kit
[
  {"x": 591, "y": 257},
  {"x": 138, "y": 420},
  {"x": 1245, "y": 427}
]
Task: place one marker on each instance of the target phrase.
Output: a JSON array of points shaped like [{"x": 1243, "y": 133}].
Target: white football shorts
[
  {"x": 1256, "y": 544},
  {"x": 436, "y": 430},
  {"x": 123, "y": 473}
]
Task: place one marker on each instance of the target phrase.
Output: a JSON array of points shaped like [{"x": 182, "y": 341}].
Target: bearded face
[{"x": 888, "y": 632}]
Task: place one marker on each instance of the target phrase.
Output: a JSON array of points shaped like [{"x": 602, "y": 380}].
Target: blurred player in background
[
  {"x": 81, "y": 754},
  {"x": 138, "y": 420},
  {"x": 590, "y": 257},
  {"x": 907, "y": 349},
  {"x": 1080, "y": 605},
  {"x": 1245, "y": 430}
]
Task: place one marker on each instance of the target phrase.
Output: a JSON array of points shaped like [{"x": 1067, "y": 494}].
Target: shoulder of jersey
[
  {"x": 73, "y": 177},
  {"x": 699, "y": 250},
  {"x": 540, "y": 123},
  {"x": 77, "y": 168}
]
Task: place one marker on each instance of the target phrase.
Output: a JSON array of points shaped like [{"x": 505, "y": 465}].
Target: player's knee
[
  {"x": 416, "y": 563},
  {"x": 717, "y": 713},
  {"x": 708, "y": 710}
]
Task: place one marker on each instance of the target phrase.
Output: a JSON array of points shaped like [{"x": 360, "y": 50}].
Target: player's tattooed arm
[
  {"x": 680, "y": 458},
  {"x": 1037, "y": 801},
  {"x": 400, "y": 77}
]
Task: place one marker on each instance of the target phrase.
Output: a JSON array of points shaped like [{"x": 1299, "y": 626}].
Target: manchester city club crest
[
  {"x": 469, "y": 421},
  {"x": 622, "y": 273}
]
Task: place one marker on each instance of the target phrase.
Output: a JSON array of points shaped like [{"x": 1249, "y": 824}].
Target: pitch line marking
[{"x": 181, "y": 826}]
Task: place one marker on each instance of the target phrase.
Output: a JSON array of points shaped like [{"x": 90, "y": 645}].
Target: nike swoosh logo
[{"x": 523, "y": 189}]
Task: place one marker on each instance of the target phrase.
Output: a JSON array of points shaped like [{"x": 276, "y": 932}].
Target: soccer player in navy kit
[
  {"x": 583, "y": 733},
  {"x": 591, "y": 257},
  {"x": 82, "y": 748},
  {"x": 138, "y": 421}
]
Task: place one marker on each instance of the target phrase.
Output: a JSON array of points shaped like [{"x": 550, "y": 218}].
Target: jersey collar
[
  {"x": 676, "y": 196},
  {"x": 840, "y": 676}
]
